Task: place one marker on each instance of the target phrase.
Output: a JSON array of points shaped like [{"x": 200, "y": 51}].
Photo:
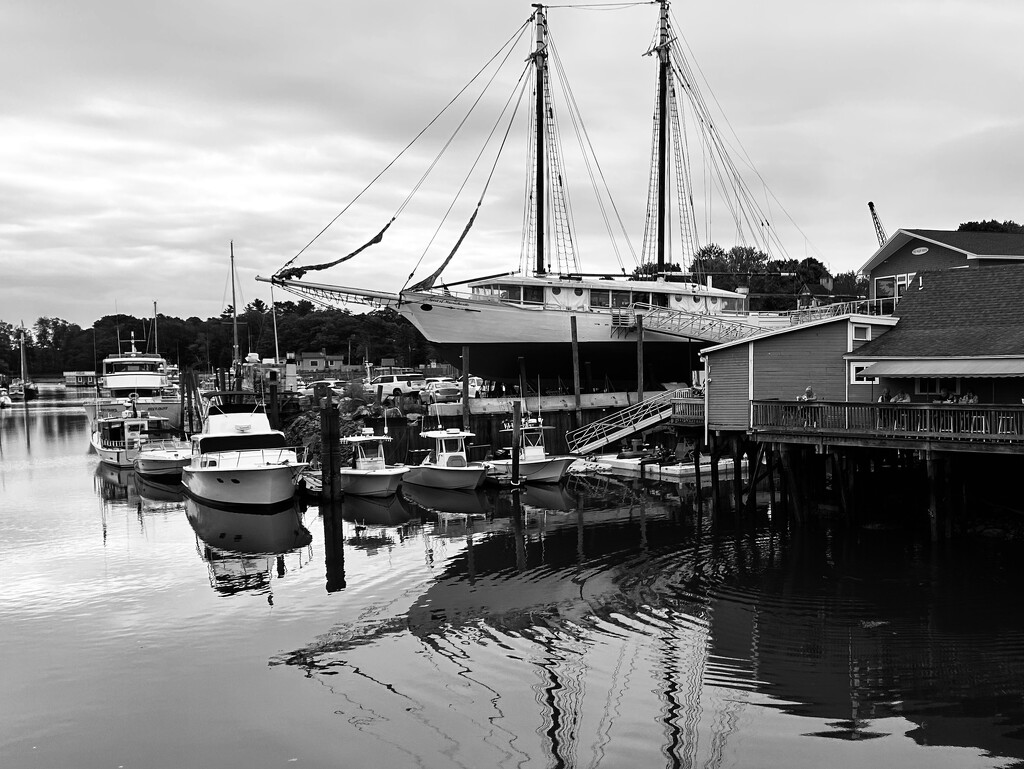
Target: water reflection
[{"x": 244, "y": 550}]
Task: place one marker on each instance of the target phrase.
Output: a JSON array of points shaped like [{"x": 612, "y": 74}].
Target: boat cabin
[
  {"x": 531, "y": 439},
  {"x": 449, "y": 447},
  {"x": 367, "y": 450},
  {"x": 128, "y": 431},
  {"x": 581, "y": 294}
]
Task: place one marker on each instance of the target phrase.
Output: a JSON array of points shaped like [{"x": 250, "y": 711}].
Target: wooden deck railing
[
  {"x": 688, "y": 410},
  {"x": 942, "y": 421}
]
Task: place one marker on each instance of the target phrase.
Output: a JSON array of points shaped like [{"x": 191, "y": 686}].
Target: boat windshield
[{"x": 242, "y": 442}]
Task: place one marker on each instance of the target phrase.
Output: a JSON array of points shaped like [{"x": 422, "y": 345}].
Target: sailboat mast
[
  {"x": 540, "y": 57},
  {"x": 663, "y": 77},
  {"x": 156, "y": 335},
  {"x": 234, "y": 304}
]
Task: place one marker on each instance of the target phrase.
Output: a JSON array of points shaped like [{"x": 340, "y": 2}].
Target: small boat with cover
[{"x": 370, "y": 475}]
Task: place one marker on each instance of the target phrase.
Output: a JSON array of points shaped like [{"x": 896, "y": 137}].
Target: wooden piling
[
  {"x": 639, "y": 358},
  {"x": 465, "y": 387},
  {"x": 517, "y": 417},
  {"x": 576, "y": 370}
]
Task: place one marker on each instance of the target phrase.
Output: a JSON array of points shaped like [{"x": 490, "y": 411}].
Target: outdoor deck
[{"x": 996, "y": 428}]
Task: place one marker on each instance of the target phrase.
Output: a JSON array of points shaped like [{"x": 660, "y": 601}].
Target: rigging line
[
  {"x": 507, "y": 43},
  {"x": 520, "y": 87},
  {"x": 451, "y": 138},
  {"x": 743, "y": 151},
  {"x": 575, "y": 111},
  {"x": 561, "y": 203}
]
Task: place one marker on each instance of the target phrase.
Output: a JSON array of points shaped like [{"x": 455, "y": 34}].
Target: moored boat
[
  {"x": 549, "y": 309},
  {"x": 446, "y": 466},
  {"x": 118, "y": 440},
  {"x": 370, "y": 475},
  {"x": 163, "y": 459},
  {"x": 238, "y": 459},
  {"x": 535, "y": 464},
  {"x": 139, "y": 376}
]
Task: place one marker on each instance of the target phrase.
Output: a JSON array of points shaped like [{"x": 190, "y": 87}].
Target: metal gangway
[
  {"x": 704, "y": 327},
  {"x": 622, "y": 423}
]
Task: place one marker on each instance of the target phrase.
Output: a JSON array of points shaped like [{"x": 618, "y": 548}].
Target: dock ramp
[{"x": 622, "y": 423}]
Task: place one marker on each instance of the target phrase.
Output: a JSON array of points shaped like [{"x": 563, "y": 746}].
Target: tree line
[{"x": 54, "y": 345}]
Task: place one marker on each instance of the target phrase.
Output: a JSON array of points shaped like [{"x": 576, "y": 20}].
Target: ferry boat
[{"x": 550, "y": 312}]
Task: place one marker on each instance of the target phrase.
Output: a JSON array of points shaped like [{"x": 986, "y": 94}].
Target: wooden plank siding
[
  {"x": 786, "y": 364},
  {"x": 728, "y": 391}
]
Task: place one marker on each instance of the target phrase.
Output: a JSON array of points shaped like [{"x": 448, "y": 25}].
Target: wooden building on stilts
[{"x": 923, "y": 408}]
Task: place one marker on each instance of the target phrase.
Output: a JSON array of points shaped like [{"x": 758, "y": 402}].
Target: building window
[
  {"x": 861, "y": 333},
  {"x": 857, "y": 376},
  {"x": 885, "y": 288},
  {"x": 314, "y": 363},
  {"x": 936, "y": 386}
]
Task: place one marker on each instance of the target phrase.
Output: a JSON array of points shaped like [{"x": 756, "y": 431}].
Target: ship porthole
[
  {"x": 426, "y": 307},
  {"x": 578, "y": 291},
  {"x": 556, "y": 291}
]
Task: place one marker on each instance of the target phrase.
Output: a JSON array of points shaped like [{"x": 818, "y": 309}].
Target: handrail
[
  {"x": 1002, "y": 423},
  {"x": 621, "y": 419},
  {"x": 704, "y": 326}
]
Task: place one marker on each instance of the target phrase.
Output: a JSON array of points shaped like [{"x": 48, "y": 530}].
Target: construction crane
[{"x": 879, "y": 229}]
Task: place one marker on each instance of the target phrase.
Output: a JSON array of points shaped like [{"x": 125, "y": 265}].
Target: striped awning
[{"x": 951, "y": 367}]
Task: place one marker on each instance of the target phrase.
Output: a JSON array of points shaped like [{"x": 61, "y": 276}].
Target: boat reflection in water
[
  {"x": 115, "y": 483},
  {"x": 244, "y": 549},
  {"x": 441, "y": 501},
  {"x": 391, "y": 510},
  {"x": 156, "y": 492}
]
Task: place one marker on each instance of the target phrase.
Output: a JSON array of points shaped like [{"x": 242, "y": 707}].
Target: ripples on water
[{"x": 599, "y": 624}]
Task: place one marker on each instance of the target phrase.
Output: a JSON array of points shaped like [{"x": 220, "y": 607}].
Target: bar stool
[
  {"x": 979, "y": 424},
  {"x": 1006, "y": 426}
]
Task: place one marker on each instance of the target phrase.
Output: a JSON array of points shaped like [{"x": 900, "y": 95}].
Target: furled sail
[
  {"x": 428, "y": 282},
  {"x": 289, "y": 273}
]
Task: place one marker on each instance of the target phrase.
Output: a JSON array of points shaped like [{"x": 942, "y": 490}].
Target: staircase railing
[{"x": 647, "y": 413}]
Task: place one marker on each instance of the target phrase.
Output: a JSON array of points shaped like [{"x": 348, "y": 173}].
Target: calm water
[{"x": 606, "y": 624}]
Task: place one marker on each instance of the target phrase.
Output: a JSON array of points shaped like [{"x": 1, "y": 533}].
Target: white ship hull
[
  {"x": 239, "y": 481},
  {"x": 548, "y": 470},
  {"x": 372, "y": 483},
  {"x": 164, "y": 461},
  {"x": 436, "y": 477}
]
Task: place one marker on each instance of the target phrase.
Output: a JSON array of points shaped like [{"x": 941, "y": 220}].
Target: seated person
[
  {"x": 884, "y": 397},
  {"x": 901, "y": 397}
]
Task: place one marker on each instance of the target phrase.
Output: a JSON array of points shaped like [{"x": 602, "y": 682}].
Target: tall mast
[
  {"x": 156, "y": 335},
  {"x": 234, "y": 304},
  {"x": 540, "y": 64},
  {"x": 663, "y": 77}
]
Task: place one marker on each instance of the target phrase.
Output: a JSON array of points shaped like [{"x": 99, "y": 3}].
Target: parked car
[
  {"x": 398, "y": 384},
  {"x": 476, "y": 386},
  {"x": 448, "y": 391},
  {"x": 337, "y": 386}
]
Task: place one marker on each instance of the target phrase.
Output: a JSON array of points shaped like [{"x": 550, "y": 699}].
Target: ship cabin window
[
  {"x": 533, "y": 295},
  {"x": 451, "y": 445},
  {"x": 621, "y": 299},
  {"x": 659, "y": 300},
  {"x": 599, "y": 298},
  {"x": 641, "y": 297}
]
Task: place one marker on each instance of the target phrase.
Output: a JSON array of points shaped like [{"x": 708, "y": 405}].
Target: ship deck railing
[
  {"x": 936, "y": 424},
  {"x": 234, "y": 458}
]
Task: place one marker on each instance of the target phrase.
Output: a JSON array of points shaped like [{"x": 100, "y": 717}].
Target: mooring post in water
[
  {"x": 517, "y": 416},
  {"x": 465, "y": 387},
  {"x": 737, "y": 473},
  {"x": 334, "y": 545},
  {"x": 522, "y": 377},
  {"x": 696, "y": 470},
  {"x": 330, "y": 449},
  {"x": 639, "y": 358},
  {"x": 576, "y": 370},
  {"x": 716, "y": 454}
]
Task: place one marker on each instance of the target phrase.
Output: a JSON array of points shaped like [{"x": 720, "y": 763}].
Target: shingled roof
[
  {"x": 977, "y": 243},
  {"x": 974, "y": 245},
  {"x": 957, "y": 314}
]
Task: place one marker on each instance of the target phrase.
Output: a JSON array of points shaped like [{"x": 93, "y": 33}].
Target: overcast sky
[{"x": 140, "y": 138}]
